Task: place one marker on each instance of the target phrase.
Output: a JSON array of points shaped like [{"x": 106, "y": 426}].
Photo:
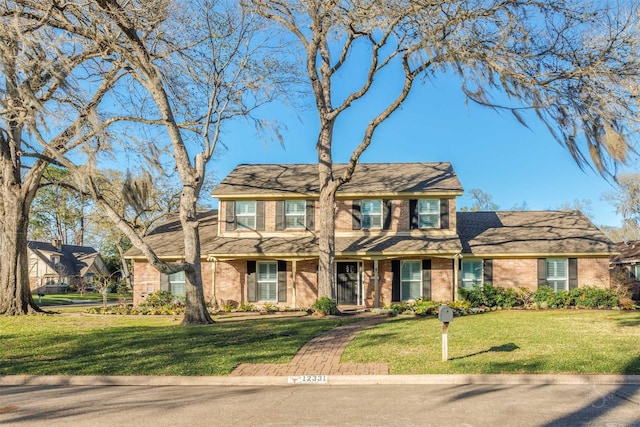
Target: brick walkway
[{"x": 321, "y": 355}]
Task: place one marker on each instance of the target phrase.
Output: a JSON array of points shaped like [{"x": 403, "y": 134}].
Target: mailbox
[{"x": 445, "y": 314}]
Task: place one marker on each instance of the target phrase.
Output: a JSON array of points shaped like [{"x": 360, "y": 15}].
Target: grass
[
  {"x": 554, "y": 341},
  {"x": 123, "y": 345},
  {"x": 69, "y": 298},
  {"x": 532, "y": 342}
]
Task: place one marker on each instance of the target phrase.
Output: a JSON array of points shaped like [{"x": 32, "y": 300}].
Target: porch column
[
  {"x": 376, "y": 284},
  {"x": 294, "y": 265},
  {"x": 456, "y": 274},
  {"x": 214, "y": 270}
]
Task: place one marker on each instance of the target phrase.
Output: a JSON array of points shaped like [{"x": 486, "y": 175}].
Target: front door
[{"x": 348, "y": 283}]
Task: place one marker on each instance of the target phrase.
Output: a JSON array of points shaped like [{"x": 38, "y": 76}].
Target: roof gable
[
  {"x": 368, "y": 179},
  {"x": 74, "y": 260}
]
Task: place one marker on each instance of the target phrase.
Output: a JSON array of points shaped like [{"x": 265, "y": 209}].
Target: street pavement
[{"x": 536, "y": 404}]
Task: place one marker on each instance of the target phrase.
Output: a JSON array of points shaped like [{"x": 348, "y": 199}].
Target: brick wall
[
  {"x": 594, "y": 272},
  {"x": 231, "y": 276},
  {"x": 523, "y": 272},
  {"x": 146, "y": 280},
  {"x": 516, "y": 273},
  {"x": 441, "y": 279}
]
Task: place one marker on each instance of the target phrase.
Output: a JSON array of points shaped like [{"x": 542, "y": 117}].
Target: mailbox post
[{"x": 445, "y": 315}]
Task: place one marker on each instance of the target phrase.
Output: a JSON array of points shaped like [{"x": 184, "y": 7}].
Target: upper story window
[
  {"x": 557, "y": 274},
  {"x": 371, "y": 211},
  {"x": 429, "y": 213},
  {"x": 246, "y": 214},
  {"x": 295, "y": 213}
]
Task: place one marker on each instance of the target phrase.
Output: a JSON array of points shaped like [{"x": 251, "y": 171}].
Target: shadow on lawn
[
  {"x": 504, "y": 348},
  {"x": 168, "y": 350}
]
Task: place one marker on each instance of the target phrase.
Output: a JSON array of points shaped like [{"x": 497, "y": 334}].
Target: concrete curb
[{"x": 499, "y": 379}]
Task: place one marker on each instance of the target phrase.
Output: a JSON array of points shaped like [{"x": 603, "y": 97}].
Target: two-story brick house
[{"x": 398, "y": 237}]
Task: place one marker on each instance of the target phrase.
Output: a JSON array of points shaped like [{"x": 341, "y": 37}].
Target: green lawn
[
  {"x": 554, "y": 341},
  {"x": 569, "y": 341},
  {"x": 119, "y": 345}
]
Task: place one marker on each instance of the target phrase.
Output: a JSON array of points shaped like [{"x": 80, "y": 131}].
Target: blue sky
[{"x": 489, "y": 150}]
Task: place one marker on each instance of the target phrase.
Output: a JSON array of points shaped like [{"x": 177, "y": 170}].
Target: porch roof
[{"x": 307, "y": 246}]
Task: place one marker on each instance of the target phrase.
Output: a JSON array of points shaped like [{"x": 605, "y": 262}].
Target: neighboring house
[
  {"x": 53, "y": 266},
  {"x": 398, "y": 237},
  {"x": 627, "y": 263}
]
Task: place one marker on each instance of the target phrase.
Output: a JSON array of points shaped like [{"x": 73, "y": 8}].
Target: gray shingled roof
[
  {"x": 368, "y": 178},
  {"x": 308, "y": 245},
  {"x": 167, "y": 239},
  {"x": 530, "y": 232},
  {"x": 629, "y": 252},
  {"x": 75, "y": 260},
  {"x": 481, "y": 234}
]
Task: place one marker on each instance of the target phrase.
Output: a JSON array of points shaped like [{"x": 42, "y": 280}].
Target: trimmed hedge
[{"x": 543, "y": 297}]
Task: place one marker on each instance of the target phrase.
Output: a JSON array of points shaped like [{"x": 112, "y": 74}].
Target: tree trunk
[
  {"x": 327, "y": 245},
  {"x": 327, "y": 223},
  {"x": 15, "y": 295},
  {"x": 196, "y": 309}
]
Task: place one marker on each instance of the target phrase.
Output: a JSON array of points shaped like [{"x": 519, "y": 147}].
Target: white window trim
[
  {"x": 558, "y": 278},
  {"x": 263, "y": 282},
  {"x": 435, "y": 213},
  {"x": 372, "y": 215},
  {"x": 402, "y": 282},
  {"x": 246, "y": 215},
  {"x": 173, "y": 282},
  {"x": 295, "y": 215},
  {"x": 473, "y": 282}
]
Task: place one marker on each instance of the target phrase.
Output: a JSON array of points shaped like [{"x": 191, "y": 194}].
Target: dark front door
[{"x": 347, "y": 283}]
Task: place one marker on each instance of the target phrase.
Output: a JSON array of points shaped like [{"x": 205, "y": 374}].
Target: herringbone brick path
[{"x": 321, "y": 355}]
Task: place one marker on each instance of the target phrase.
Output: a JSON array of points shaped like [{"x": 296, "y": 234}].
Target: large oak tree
[
  {"x": 185, "y": 68},
  {"x": 572, "y": 63}
]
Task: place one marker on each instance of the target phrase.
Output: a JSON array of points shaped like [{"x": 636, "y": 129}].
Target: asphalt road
[{"x": 321, "y": 405}]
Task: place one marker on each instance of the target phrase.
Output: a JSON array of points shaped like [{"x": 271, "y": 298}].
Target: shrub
[
  {"x": 490, "y": 296},
  {"x": 159, "y": 299},
  {"x": 592, "y": 297},
  {"x": 270, "y": 307},
  {"x": 245, "y": 307},
  {"x": 425, "y": 307},
  {"x": 325, "y": 305}
]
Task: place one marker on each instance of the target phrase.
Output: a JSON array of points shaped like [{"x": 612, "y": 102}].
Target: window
[
  {"x": 177, "y": 284},
  {"x": 410, "y": 280},
  {"x": 471, "y": 273},
  {"x": 371, "y": 214},
  {"x": 295, "y": 213},
  {"x": 557, "y": 276},
  {"x": 267, "y": 280},
  {"x": 635, "y": 272},
  {"x": 429, "y": 213},
  {"x": 246, "y": 215}
]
